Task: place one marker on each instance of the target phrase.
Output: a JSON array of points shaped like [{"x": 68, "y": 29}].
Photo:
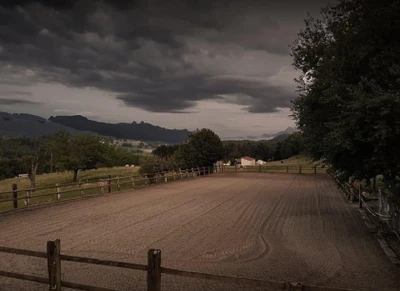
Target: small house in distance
[{"x": 247, "y": 161}]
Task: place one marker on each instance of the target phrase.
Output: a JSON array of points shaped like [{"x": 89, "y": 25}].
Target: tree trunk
[{"x": 75, "y": 179}]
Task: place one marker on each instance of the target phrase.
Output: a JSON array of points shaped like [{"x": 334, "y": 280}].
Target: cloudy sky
[{"x": 224, "y": 65}]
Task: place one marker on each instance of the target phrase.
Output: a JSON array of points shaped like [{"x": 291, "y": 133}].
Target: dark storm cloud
[
  {"x": 161, "y": 56},
  {"x": 4, "y": 101}
]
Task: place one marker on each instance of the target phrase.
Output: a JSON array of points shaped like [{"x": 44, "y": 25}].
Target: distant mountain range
[
  {"x": 287, "y": 131},
  {"x": 22, "y": 124},
  {"x": 137, "y": 131}
]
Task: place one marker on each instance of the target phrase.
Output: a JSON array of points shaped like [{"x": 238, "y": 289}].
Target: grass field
[
  {"x": 66, "y": 177},
  {"x": 295, "y": 161},
  {"x": 50, "y": 180},
  {"x": 95, "y": 183},
  {"x": 291, "y": 165}
]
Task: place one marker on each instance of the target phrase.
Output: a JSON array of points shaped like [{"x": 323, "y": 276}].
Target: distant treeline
[
  {"x": 282, "y": 147},
  {"x": 61, "y": 152},
  {"x": 201, "y": 149},
  {"x": 275, "y": 149}
]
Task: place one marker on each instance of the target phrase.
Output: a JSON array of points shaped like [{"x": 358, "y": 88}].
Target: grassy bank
[
  {"x": 299, "y": 160},
  {"x": 291, "y": 165},
  {"x": 66, "y": 177}
]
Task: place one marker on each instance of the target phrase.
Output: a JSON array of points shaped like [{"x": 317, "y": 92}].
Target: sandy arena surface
[{"x": 264, "y": 226}]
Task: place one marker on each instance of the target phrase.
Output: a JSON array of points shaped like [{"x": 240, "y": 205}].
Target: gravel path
[{"x": 262, "y": 226}]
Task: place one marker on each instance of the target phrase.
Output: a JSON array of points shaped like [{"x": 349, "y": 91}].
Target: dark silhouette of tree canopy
[
  {"x": 349, "y": 103},
  {"x": 203, "y": 148}
]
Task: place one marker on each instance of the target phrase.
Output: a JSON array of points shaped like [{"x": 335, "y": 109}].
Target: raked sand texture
[{"x": 263, "y": 226}]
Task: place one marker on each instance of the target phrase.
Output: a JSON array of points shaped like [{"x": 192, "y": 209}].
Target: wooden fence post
[
  {"x": 28, "y": 196},
  {"x": 154, "y": 270},
  {"x": 174, "y": 174},
  {"x": 118, "y": 185},
  {"x": 166, "y": 177},
  {"x": 133, "y": 182},
  {"x": 294, "y": 286},
  {"x": 101, "y": 186},
  {"x": 187, "y": 173},
  {"x": 80, "y": 188},
  {"x": 109, "y": 183},
  {"x": 259, "y": 168},
  {"x": 15, "y": 195},
  {"x": 287, "y": 169},
  {"x": 58, "y": 191},
  {"x": 54, "y": 264},
  {"x": 300, "y": 169},
  {"x": 315, "y": 169}
]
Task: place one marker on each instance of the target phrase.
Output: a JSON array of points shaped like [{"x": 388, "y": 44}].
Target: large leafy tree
[
  {"x": 349, "y": 102},
  {"x": 80, "y": 152},
  {"x": 165, "y": 151},
  {"x": 202, "y": 149}
]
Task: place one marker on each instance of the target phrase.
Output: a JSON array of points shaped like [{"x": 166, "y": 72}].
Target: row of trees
[
  {"x": 66, "y": 152},
  {"x": 349, "y": 102},
  {"x": 204, "y": 148},
  {"x": 61, "y": 152},
  {"x": 264, "y": 150}
]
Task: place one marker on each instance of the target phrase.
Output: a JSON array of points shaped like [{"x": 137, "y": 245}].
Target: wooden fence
[
  {"x": 355, "y": 194},
  {"x": 289, "y": 169},
  {"x": 153, "y": 270},
  {"x": 32, "y": 196}
]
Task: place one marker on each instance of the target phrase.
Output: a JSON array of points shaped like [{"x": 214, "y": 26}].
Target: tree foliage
[
  {"x": 276, "y": 149},
  {"x": 80, "y": 152},
  {"x": 165, "y": 151},
  {"x": 150, "y": 165},
  {"x": 202, "y": 149},
  {"x": 23, "y": 155},
  {"x": 349, "y": 102},
  {"x": 61, "y": 152}
]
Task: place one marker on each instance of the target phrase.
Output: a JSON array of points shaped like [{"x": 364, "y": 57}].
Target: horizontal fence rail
[
  {"x": 20, "y": 198},
  {"x": 289, "y": 169},
  {"x": 153, "y": 270},
  {"x": 356, "y": 194},
  {"x": 32, "y": 196}
]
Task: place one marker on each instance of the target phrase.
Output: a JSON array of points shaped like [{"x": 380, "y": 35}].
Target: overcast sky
[{"x": 224, "y": 65}]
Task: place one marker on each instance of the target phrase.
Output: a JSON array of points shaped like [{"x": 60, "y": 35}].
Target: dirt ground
[{"x": 263, "y": 226}]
